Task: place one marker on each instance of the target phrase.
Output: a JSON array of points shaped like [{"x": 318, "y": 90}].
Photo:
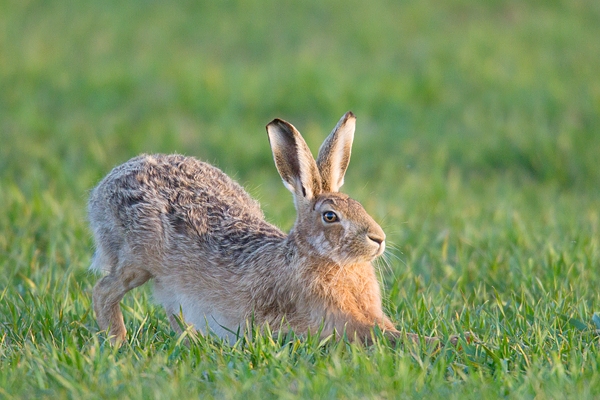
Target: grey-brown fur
[{"x": 212, "y": 255}]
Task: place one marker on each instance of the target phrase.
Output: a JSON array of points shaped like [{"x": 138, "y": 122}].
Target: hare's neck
[
  {"x": 274, "y": 266},
  {"x": 268, "y": 251}
]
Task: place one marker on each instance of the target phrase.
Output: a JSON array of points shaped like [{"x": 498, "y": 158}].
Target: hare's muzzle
[{"x": 377, "y": 239}]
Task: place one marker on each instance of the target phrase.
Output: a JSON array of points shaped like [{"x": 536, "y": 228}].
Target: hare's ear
[
  {"x": 294, "y": 161},
  {"x": 334, "y": 154}
]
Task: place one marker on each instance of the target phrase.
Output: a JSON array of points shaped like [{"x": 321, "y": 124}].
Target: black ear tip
[
  {"x": 279, "y": 123},
  {"x": 276, "y": 121},
  {"x": 349, "y": 114}
]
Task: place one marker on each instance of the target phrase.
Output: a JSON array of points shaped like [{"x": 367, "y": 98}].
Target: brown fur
[{"x": 214, "y": 258}]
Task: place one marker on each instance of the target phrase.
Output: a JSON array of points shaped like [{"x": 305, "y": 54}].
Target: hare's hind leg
[{"x": 108, "y": 293}]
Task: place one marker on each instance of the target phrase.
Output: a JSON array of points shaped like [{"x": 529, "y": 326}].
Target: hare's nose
[
  {"x": 376, "y": 234},
  {"x": 376, "y": 238}
]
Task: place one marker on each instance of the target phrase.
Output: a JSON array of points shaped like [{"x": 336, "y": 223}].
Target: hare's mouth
[
  {"x": 377, "y": 243},
  {"x": 379, "y": 250}
]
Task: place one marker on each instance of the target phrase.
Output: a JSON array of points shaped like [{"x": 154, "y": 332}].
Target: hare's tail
[
  {"x": 94, "y": 266},
  {"x": 98, "y": 265},
  {"x": 102, "y": 262}
]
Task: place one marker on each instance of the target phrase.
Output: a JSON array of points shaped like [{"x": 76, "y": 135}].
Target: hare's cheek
[
  {"x": 361, "y": 248},
  {"x": 320, "y": 244},
  {"x": 345, "y": 248}
]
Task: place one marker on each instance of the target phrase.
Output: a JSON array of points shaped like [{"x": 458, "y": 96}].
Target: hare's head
[{"x": 329, "y": 223}]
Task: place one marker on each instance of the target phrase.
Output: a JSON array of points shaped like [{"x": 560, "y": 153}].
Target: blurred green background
[
  {"x": 495, "y": 88},
  {"x": 477, "y": 143},
  {"x": 464, "y": 108}
]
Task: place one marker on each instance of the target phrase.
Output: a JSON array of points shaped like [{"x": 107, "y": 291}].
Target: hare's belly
[
  {"x": 207, "y": 320},
  {"x": 205, "y": 316}
]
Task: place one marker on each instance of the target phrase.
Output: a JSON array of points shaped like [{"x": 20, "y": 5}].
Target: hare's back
[{"x": 183, "y": 188}]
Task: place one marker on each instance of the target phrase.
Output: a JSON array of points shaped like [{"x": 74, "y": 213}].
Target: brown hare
[{"x": 215, "y": 259}]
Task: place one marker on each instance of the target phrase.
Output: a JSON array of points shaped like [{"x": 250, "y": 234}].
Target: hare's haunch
[{"x": 215, "y": 259}]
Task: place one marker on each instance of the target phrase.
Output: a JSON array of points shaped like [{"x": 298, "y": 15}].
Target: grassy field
[{"x": 477, "y": 149}]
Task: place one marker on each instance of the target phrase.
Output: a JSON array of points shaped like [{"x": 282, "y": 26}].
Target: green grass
[{"x": 477, "y": 149}]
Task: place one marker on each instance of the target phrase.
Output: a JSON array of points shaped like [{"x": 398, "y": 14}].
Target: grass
[{"x": 477, "y": 150}]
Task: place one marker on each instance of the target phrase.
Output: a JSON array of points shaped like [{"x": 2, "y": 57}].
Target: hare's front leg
[
  {"x": 364, "y": 332},
  {"x": 396, "y": 336},
  {"x": 108, "y": 293}
]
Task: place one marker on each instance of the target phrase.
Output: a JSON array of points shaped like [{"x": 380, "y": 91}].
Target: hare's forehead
[{"x": 339, "y": 202}]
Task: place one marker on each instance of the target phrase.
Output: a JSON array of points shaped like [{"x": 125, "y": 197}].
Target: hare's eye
[{"x": 330, "y": 216}]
